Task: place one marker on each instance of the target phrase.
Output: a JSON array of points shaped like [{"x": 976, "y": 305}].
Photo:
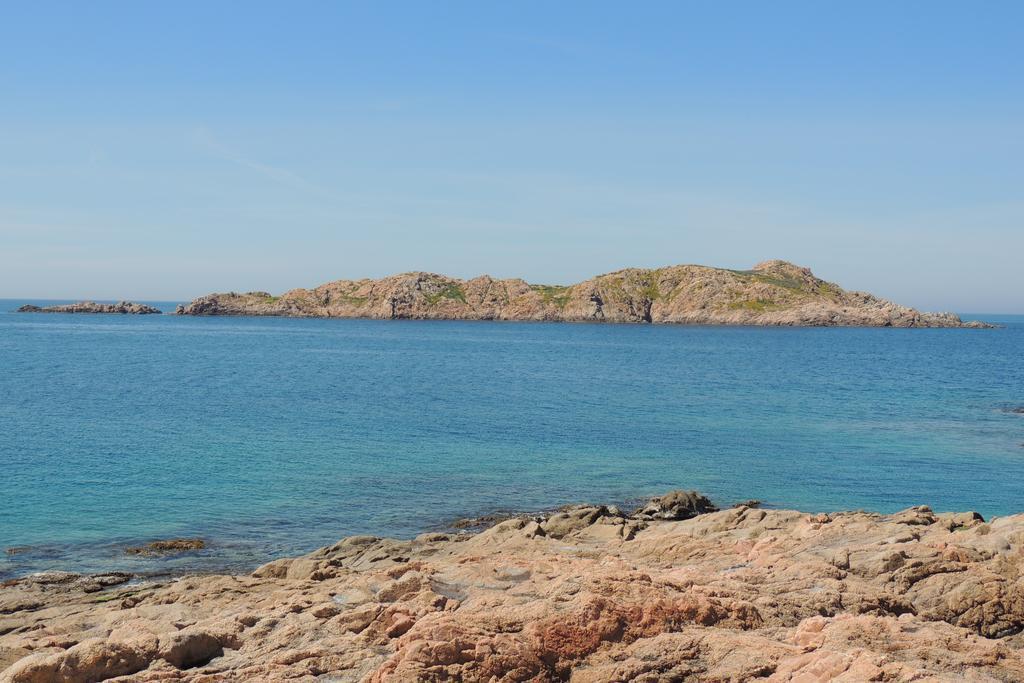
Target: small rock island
[
  {"x": 773, "y": 293},
  {"x": 121, "y": 307}
]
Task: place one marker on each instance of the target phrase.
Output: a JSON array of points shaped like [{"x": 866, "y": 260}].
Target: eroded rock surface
[
  {"x": 772, "y": 293},
  {"x": 586, "y": 594}
]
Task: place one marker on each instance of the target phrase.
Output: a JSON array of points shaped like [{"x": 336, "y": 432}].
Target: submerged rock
[
  {"x": 168, "y": 546},
  {"x": 482, "y": 522},
  {"x": 122, "y": 307},
  {"x": 584, "y": 594}
]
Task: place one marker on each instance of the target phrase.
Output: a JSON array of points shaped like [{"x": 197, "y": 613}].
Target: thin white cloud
[{"x": 205, "y": 138}]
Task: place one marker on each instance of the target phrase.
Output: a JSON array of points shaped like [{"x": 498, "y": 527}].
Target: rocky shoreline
[
  {"x": 673, "y": 591},
  {"x": 121, "y": 307},
  {"x": 773, "y": 293}
]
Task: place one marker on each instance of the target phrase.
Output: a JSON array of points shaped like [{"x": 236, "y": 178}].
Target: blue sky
[{"x": 165, "y": 150}]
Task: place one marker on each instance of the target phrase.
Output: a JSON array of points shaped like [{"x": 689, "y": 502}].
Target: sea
[{"x": 270, "y": 437}]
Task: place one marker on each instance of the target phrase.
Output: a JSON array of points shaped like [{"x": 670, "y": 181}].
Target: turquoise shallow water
[{"x": 271, "y": 437}]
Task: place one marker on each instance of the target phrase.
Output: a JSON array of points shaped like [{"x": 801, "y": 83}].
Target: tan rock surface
[
  {"x": 586, "y": 595},
  {"x": 773, "y": 293}
]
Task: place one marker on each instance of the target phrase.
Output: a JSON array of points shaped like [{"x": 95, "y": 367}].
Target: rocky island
[
  {"x": 676, "y": 591},
  {"x": 772, "y": 293},
  {"x": 121, "y": 307}
]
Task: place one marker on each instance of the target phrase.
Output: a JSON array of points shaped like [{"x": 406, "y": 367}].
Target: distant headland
[
  {"x": 121, "y": 307},
  {"x": 773, "y": 293}
]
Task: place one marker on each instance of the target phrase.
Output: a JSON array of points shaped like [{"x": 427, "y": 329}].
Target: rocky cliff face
[
  {"x": 674, "y": 592},
  {"x": 773, "y": 293},
  {"x": 122, "y": 307}
]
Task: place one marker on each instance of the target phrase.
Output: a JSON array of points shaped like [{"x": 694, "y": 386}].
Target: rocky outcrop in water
[
  {"x": 585, "y": 594},
  {"x": 676, "y": 505},
  {"x": 772, "y": 293},
  {"x": 122, "y": 307},
  {"x": 169, "y": 546}
]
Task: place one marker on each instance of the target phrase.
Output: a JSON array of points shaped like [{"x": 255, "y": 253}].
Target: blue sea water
[{"x": 271, "y": 437}]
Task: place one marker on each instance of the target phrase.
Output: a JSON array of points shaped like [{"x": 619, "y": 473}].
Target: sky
[{"x": 161, "y": 151}]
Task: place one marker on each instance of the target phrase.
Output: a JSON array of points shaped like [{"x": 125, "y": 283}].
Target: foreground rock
[
  {"x": 773, "y": 293},
  {"x": 585, "y": 594},
  {"x": 122, "y": 307}
]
